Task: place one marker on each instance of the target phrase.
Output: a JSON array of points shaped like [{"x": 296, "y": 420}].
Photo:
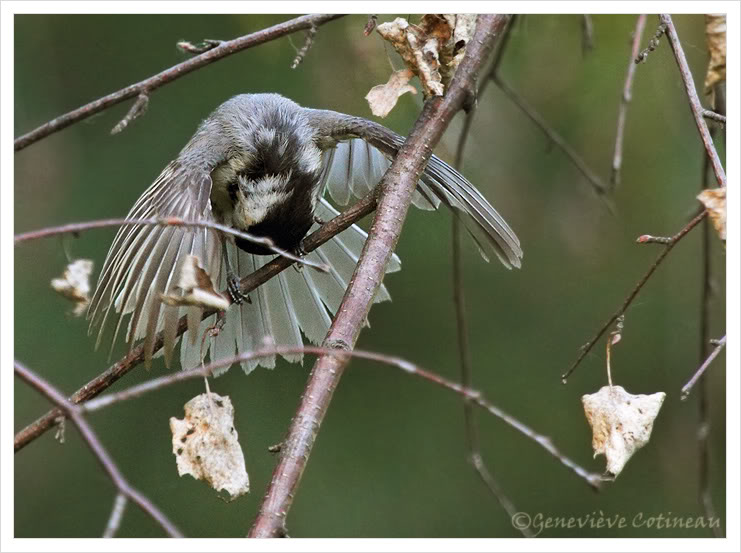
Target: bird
[{"x": 264, "y": 165}]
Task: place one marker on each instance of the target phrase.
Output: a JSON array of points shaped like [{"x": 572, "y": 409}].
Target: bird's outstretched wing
[
  {"x": 353, "y": 168},
  {"x": 359, "y": 151},
  {"x": 144, "y": 261}
]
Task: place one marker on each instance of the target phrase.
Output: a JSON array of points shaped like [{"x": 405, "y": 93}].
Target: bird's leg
[
  {"x": 318, "y": 220},
  {"x": 232, "y": 279},
  {"x": 215, "y": 329},
  {"x": 299, "y": 251}
]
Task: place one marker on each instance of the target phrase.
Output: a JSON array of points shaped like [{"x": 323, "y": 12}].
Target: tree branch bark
[
  {"x": 397, "y": 188},
  {"x": 695, "y": 105},
  {"x": 146, "y": 87},
  {"x": 92, "y": 441}
]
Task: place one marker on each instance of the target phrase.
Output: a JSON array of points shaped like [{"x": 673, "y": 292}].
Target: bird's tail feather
[{"x": 295, "y": 301}]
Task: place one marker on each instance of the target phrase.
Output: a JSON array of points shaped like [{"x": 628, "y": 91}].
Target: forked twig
[
  {"x": 697, "y": 110},
  {"x": 687, "y": 388},
  {"x": 459, "y": 303},
  {"x": 668, "y": 246},
  {"x": 625, "y": 99},
  {"x": 147, "y": 86},
  {"x": 91, "y": 439}
]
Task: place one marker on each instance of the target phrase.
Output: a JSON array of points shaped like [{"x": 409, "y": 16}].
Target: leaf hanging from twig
[
  {"x": 74, "y": 284},
  {"x": 621, "y": 423},
  {"x": 382, "y": 98},
  {"x": 714, "y": 200},
  {"x": 715, "y": 32},
  {"x": 206, "y": 445},
  {"x": 197, "y": 288},
  {"x": 432, "y": 49}
]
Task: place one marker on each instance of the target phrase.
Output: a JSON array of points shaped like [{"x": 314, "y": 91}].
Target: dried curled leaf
[
  {"x": 197, "y": 288},
  {"x": 206, "y": 446},
  {"x": 621, "y": 423},
  {"x": 463, "y": 25},
  {"x": 382, "y": 98},
  {"x": 714, "y": 200},
  {"x": 715, "y": 32},
  {"x": 74, "y": 284},
  {"x": 433, "y": 49}
]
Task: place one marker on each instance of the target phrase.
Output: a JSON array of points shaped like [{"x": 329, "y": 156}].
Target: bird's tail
[{"x": 293, "y": 302}]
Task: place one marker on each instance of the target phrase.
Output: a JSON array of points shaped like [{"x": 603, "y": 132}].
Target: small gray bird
[{"x": 261, "y": 164}]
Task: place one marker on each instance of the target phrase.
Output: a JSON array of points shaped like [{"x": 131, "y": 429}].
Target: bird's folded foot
[
  {"x": 232, "y": 285},
  {"x": 319, "y": 221},
  {"x": 299, "y": 251}
]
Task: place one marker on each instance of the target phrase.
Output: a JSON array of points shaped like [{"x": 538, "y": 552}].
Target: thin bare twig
[
  {"x": 649, "y": 239},
  {"x": 397, "y": 189},
  {"x": 598, "y": 185},
  {"x": 694, "y": 100},
  {"x": 687, "y": 388},
  {"x": 474, "y": 396},
  {"x": 653, "y": 43},
  {"x": 587, "y": 33},
  {"x": 371, "y": 24},
  {"x": 109, "y": 466},
  {"x": 138, "y": 108},
  {"x": 114, "y": 521},
  {"x": 710, "y": 114},
  {"x": 586, "y": 348},
  {"x": 493, "y": 75},
  {"x": 147, "y": 86},
  {"x": 464, "y": 350},
  {"x": 625, "y": 99},
  {"x": 76, "y": 228},
  {"x": 205, "y": 45},
  {"x": 493, "y": 68},
  {"x": 247, "y": 284},
  {"x": 308, "y": 41},
  {"x": 703, "y": 404}
]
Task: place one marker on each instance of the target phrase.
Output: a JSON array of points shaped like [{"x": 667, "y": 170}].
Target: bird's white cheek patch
[{"x": 252, "y": 209}]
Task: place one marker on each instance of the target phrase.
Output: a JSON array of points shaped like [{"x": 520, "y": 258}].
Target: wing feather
[
  {"x": 144, "y": 260},
  {"x": 439, "y": 183}
]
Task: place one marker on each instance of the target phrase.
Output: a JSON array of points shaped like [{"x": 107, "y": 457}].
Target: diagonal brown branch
[
  {"x": 397, "y": 188},
  {"x": 247, "y": 284},
  {"x": 669, "y": 244},
  {"x": 76, "y": 228},
  {"x": 687, "y": 388},
  {"x": 104, "y": 458},
  {"x": 147, "y": 86},
  {"x": 627, "y": 96},
  {"x": 703, "y": 404},
  {"x": 599, "y": 187},
  {"x": 697, "y": 110},
  {"x": 459, "y": 304}
]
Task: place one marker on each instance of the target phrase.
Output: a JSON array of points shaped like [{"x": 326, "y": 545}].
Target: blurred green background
[{"x": 390, "y": 460}]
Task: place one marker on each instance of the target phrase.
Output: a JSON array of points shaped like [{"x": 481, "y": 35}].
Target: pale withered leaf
[
  {"x": 382, "y": 98},
  {"x": 715, "y": 32},
  {"x": 419, "y": 51},
  {"x": 197, "y": 288},
  {"x": 714, "y": 200},
  {"x": 621, "y": 423},
  {"x": 206, "y": 445},
  {"x": 74, "y": 284}
]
